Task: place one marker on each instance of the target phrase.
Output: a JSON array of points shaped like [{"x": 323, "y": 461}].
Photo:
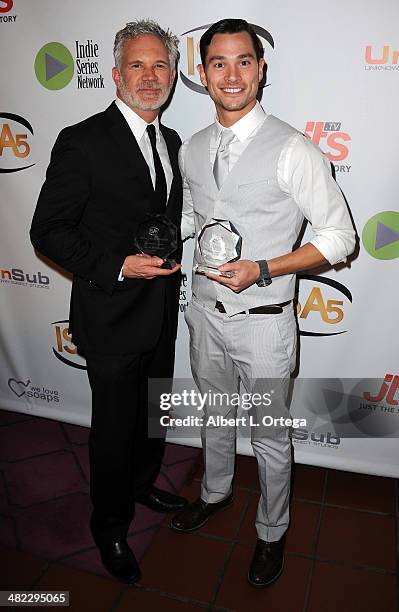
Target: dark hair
[{"x": 230, "y": 26}]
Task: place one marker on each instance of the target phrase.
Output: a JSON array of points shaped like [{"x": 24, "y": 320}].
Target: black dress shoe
[
  {"x": 162, "y": 501},
  {"x": 119, "y": 560},
  {"x": 197, "y": 514},
  {"x": 267, "y": 562}
]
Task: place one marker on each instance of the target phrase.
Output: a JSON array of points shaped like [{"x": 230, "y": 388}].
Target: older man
[{"x": 106, "y": 175}]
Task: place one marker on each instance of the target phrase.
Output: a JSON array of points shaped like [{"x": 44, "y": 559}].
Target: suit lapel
[
  {"x": 129, "y": 148},
  {"x": 173, "y": 158}
]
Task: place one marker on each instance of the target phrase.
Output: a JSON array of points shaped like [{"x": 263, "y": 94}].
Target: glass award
[
  {"x": 219, "y": 242},
  {"x": 157, "y": 236}
]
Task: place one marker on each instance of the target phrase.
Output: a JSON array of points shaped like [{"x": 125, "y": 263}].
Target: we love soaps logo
[
  {"x": 32, "y": 394},
  {"x": 18, "y": 387}
]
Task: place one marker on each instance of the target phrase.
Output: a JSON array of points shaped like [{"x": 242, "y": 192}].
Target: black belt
[{"x": 270, "y": 309}]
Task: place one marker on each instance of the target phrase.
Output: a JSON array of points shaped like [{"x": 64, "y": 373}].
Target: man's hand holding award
[
  {"x": 219, "y": 252},
  {"x": 156, "y": 239}
]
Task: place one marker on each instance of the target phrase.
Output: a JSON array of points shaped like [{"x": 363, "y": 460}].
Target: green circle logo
[
  {"x": 381, "y": 235},
  {"x": 54, "y": 66}
]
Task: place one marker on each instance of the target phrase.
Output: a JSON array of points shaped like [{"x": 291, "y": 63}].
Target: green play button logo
[
  {"x": 381, "y": 235},
  {"x": 54, "y": 66}
]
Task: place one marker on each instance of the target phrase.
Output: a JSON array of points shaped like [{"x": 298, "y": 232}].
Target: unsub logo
[
  {"x": 304, "y": 436},
  {"x": 16, "y": 276}
]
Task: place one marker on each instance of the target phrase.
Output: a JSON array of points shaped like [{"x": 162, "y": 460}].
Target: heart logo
[{"x": 15, "y": 388}]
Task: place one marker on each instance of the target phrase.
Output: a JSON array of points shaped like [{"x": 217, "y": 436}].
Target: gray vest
[{"x": 268, "y": 219}]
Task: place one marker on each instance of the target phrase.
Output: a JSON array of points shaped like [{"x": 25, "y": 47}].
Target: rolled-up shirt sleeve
[
  {"x": 187, "y": 223},
  {"x": 304, "y": 172}
]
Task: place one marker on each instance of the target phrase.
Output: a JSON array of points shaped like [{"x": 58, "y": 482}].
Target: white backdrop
[{"x": 332, "y": 73}]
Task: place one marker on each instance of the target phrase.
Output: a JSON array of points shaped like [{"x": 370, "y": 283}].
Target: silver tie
[{"x": 221, "y": 165}]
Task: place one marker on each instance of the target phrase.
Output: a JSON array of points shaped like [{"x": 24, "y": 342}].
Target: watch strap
[{"x": 264, "y": 277}]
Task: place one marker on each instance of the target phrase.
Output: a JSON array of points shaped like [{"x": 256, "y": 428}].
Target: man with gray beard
[{"x": 106, "y": 175}]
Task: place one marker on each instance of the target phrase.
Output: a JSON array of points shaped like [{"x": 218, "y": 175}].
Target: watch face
[{"x": 264, "y": 282}]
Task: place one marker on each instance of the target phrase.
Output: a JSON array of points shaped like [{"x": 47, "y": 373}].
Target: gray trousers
[{"x": 258, "y": 351}]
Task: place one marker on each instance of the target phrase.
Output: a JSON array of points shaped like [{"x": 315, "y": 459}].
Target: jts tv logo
[
  {"x": 329, "y": 136},
  {"x": 5, "y": 7},
  {"x": 386, "y": 393},
  {"x": 188, "y": 72},
  {"x": 15, "y": 145},
  {"x": 321, "y": 302},
  {"x": 64, "y": 349},
  {"x": 381, "y": 58}
]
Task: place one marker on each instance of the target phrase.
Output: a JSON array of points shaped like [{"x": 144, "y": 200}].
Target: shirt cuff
[
  {"x": 335, "y": 249},
  {"x": 121, "y": 277}
]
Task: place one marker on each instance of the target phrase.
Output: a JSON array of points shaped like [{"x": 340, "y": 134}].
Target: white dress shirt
[
  {"x": 139, "y": 130},
  {"x": 303, "y": 172}
]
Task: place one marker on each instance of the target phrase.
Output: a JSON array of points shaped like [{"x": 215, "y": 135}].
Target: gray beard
[{"x": 134, "y": 102}]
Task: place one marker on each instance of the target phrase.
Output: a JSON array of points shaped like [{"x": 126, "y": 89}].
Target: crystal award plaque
[
  {"x": 157, "y": 236},
  {"x": 219, "y": 242}
]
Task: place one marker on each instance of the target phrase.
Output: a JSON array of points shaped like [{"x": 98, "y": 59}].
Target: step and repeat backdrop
[{"x": 333, "y": 72}]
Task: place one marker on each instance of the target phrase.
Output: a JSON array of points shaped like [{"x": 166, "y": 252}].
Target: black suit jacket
[{"x": 98, "y": 189}]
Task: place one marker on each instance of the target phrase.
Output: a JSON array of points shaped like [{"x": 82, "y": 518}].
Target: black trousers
[{"x": 124, "y": 459}]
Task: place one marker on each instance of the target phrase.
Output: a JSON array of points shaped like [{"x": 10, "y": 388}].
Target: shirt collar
[
  {"x": 136, "y": 123},
  {"x": 246, "y": 125}
]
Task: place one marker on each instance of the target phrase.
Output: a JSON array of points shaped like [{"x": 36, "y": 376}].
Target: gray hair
[{"x": 144, "y": 27}]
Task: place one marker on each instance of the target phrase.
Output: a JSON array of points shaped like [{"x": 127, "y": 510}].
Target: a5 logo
[
  {"x": 315, "y": 299},
  {"x": 14, "y": 143}
]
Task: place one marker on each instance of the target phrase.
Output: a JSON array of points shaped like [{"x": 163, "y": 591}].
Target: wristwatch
[{"x": 264, "y": 278}]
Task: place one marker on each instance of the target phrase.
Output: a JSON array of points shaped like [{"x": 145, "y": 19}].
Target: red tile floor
[{"x": 342, "y": 545}]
